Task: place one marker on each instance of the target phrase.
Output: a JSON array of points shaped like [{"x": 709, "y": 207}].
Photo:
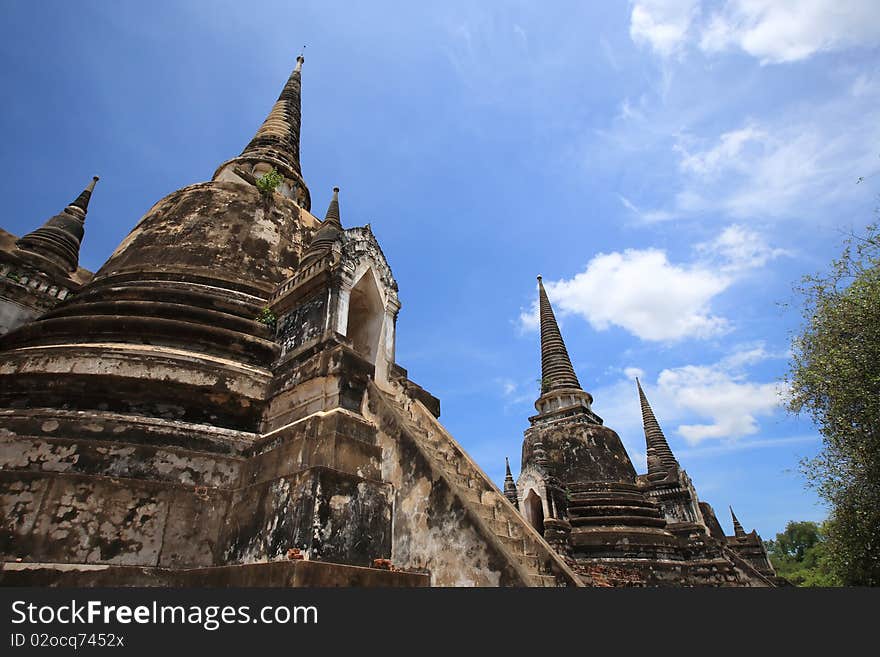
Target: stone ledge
[{"x": 281, "y": 574}]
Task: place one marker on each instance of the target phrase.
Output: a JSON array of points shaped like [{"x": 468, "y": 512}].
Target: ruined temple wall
[
  {"x": 13, "y": 314},
  {"x": 220, "y": 229},
  {"x": 141, "y": 381},
  {"x": 78, "y": 487},
  {"x": 432, "y": 531},
  {"x": 327, "y": 514},
  {"x": 323, "y": 374},
  {"x": 102, "y": 490},
  {"x": 579, "y": 450},
  {"x": 26, "y": 290},
  {"x": 717, "y": 572},
  {"x": 66, "y": 518},
  {"x": 314, "y": 485}
]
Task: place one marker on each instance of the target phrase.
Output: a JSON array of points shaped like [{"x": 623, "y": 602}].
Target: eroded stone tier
[{"x": 615, "y": 520}]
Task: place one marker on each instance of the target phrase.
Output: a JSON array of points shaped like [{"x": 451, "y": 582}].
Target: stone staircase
[{"x": 530, "y": 555}]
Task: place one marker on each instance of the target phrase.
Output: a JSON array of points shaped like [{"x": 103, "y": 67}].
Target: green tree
[
  {"x": 800, "y": 555},
  {"x": 797, "y": 539},
  {"x": 835, "y": 378}
]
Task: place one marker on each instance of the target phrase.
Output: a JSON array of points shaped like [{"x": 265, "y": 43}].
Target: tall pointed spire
[
  {"x": 278, "y": 137},
  {"x": 276, "y": 142},
  {"x": 82, "y": 201},
  {"x": 660, "y": 458},
  {"x": 58, "y": 240},
  {"x": 738, "y": 530},
  {"x": 556, "y": 369},
  {"x": 329, "y": 231},
  {"x": 510, "y": 485},
  {"x": 332, "y": 215}
]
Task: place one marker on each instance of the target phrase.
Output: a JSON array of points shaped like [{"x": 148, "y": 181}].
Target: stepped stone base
[{"x": 278, "y": 574}]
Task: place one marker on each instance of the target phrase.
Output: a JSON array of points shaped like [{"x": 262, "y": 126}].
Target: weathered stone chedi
[
  {"x": 224, "y": 389},
  {"x": 42, "y": 268},
  {"x": 578, "y": 486}
]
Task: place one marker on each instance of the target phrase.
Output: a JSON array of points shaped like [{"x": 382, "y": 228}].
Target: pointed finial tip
[
  {"x": 335, "y": 190},
  {"x": 95, "y": 178},
  {"x": 540, "y": 278}
]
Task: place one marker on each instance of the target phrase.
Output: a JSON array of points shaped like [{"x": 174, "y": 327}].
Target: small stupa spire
[
  {"x": 278, "y": 137},
  {"x": 277, "y": 140},
  {"x": 556, "y": 369},
  {"x": 510, "y": 485},
  {"x": 738, "y": 530},
  {"x": 332, "y": 215},
  {"x": 329, "y": 231},
  {"x": 660, "y": 457},
  {"x": 58, "y": 240},
  {"x": 82, "y": 201}
]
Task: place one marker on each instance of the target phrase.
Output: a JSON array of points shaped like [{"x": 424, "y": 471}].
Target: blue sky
[{"x": 670, "y": 168}]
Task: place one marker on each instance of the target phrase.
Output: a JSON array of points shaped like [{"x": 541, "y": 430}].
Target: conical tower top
[
  {"x": 509, "y": 484},
  {"x": 332, "y": 215},
  {"x": 58, "y": 240},
  {"x": 329, "y": 231},
  {"x": 660, "y": 458},
  {"x": 82, "y": 201},
  {"x": 556, "y": 369},
  {"x": 276, "y": 143},
  {"x": 278, "y": 136},
  {"x": 738, "y": 530}
]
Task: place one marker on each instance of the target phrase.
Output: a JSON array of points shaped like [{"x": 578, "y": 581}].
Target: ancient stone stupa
[{"x": 220, "y": 404}]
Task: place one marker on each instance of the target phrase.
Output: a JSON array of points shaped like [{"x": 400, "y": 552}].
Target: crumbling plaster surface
[
  {"x": 110, "y": 459},
  {"x": 578, "y": 450},
  {"x": 432, "y": 531},
  {"x": 13, "y": 315},
  {"x": 329, "y": 515},
  {"x": 220, "y": 227}
]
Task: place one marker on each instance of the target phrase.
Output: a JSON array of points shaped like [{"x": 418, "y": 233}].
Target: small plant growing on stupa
[
  {"x": 268, "y": 182},
  {"x": 267, "y": 317}
]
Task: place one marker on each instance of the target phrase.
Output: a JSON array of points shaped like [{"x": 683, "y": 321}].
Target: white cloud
[
  {"x": 865, "y": 85},
  {"x": 773, "y": 31},
  {"x": 662, "y": 24},
  {"x": 738, "y": 248},
  {"x": 633, "y": 372},
  {"x": 627, "y": 111},
  {"x": 641, "y": 291},
  {"x": 529, "y": 320},
  {"x": 776, "y": 31},
  {"x": 749, "y": 355},
  {"x": 730, "y": 403},
  {"x": 648, "y": 216},
  {"x": 695, "y": 402},
  {"x": 644, "y": 293},
  {"x": 727, "y": 153},
  {"x": 743, "y": 445},
  {"x": 797, "y": 165},
  {"x": 508, "y": 387}
]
